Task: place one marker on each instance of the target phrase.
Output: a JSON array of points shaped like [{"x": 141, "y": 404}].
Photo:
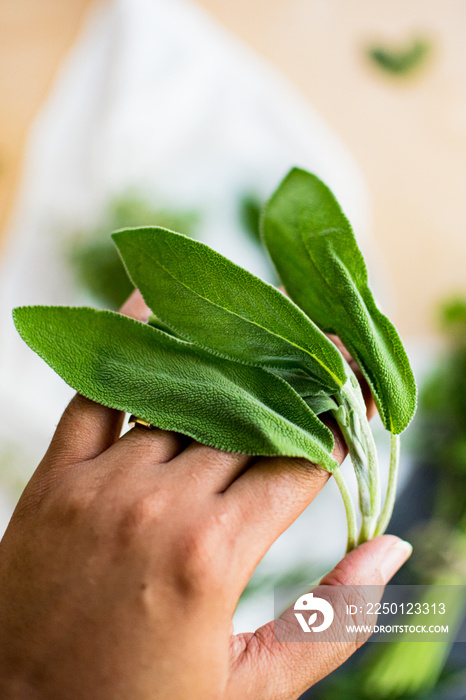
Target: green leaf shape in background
[
  {"x": 315, "y": 252},
  {"x": 92, "y": 255},
  {"x": 401, "y": 60},
  {"x": 130, "y": 366},
  {"x": 207, "y": 299}
]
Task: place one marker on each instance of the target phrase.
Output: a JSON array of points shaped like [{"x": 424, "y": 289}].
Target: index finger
[
  {"x": 272, "y": 493},
  {"x": 86, "y": 429}
]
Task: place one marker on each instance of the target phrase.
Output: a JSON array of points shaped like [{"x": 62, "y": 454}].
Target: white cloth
[{"x": 155, "y": 97}]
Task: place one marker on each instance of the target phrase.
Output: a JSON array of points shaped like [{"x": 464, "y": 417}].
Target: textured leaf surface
[
  {"x": 207, "y": 299},
  {"x": 314, "y": 250},
  {"x": 129, "y": 366}
]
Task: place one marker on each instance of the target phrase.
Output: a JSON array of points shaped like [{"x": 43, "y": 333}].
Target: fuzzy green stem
[
  {"x": 352, "y": 420},
  {"x": 350, "y": 510},
  {"x": 389, "y": 502},
  {"x": 358, "y": 460}
]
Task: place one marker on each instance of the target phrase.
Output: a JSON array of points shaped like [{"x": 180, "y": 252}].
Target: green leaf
[
  {"x": 130, "y": 366},
  {"x": 321, "y": 404},
  {"x": 157, "y": 323},
  {"x": 315, "y": 252},
  {"x": 207, "y": 299}
]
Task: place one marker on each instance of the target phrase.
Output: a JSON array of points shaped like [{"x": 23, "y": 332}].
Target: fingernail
[{"x": 394, "y": 558}]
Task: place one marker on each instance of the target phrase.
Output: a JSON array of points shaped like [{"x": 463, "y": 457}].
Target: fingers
[
  {"x": 87, "y": 429},
  {"x": 266, "y": 669},
  {"x": 149, "y": 447},
  {"x": 268, "y": 498},
  {"x": 214, "y": 469},
  {"x": 372, "y": 563},
  {"x": 192, "y": 465},
  {"x": 272, "y": 493}
]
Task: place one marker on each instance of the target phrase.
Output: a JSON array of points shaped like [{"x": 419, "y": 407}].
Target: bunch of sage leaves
[{"x": 233, "y": 362}]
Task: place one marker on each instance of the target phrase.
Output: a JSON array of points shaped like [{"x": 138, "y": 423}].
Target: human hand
[{"x": 125, "y": 558}]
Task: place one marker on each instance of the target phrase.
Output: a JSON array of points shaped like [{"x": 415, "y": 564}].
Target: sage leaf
[
  {"x": 321, "y": 404},
  {"x": 133, "y": 367},
  {"x": 157, "y": 323},
  {"x": 207, "y": 299},
  {"x": 316, "y": 255}
]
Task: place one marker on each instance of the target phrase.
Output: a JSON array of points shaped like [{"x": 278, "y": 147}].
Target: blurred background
[{"x": 186, "y": 114}]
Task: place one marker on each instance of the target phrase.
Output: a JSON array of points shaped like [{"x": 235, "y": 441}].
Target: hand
[{"x": 125, "y": 558}]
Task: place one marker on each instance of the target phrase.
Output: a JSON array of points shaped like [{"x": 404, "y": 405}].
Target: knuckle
[
  {"x": 141, "y": 514},
  {"x": 350, "y": 603},
  {"x": 216, "y": 461},
  {"x": 203, "y": 552},
  {"x": 70, "y": 502},
  {"x": 309, "y": 475},
  {"x": 301, "y": 472},
  {"x": 195, "y": 552},
  {"x": 141, "y": 446},
  {"x": 148, "y": 445},
  {"x": 339, "y": 575}
]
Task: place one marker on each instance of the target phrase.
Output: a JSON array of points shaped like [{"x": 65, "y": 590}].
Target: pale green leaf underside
[
  {"x": 315, "y": 252},
  {"x": 207, "y": 299},
  {"x": 127, "y": 365}
]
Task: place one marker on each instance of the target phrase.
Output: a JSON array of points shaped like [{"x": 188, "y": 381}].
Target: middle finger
[{"x": 213, "y": 469}]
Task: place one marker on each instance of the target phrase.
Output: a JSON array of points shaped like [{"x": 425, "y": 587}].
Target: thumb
[
  {"x": 270, "y": 665},
  {"x": 372, "y": 563}
]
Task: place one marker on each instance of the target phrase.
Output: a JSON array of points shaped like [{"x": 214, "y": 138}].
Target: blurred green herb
[
  {"x": 95, "y": 260},
  {"x": 440, "y": 437},
  {"x": 400, "y": 61},
  {"x": 250, "y": 212}
]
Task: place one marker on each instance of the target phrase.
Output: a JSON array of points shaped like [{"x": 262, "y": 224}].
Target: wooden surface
[
  {"x": 34, "y": 36},
  {"x": 409, "y": 136}
]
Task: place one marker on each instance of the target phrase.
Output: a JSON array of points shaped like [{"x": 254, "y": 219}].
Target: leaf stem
[
  {"x": 389, "y": 502},
  {"x": 352, "y": 420},
  {"x": 349, "y": 508}
]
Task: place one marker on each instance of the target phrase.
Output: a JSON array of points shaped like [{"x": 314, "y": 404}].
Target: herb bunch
[{"x": 232, "y": 362}]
